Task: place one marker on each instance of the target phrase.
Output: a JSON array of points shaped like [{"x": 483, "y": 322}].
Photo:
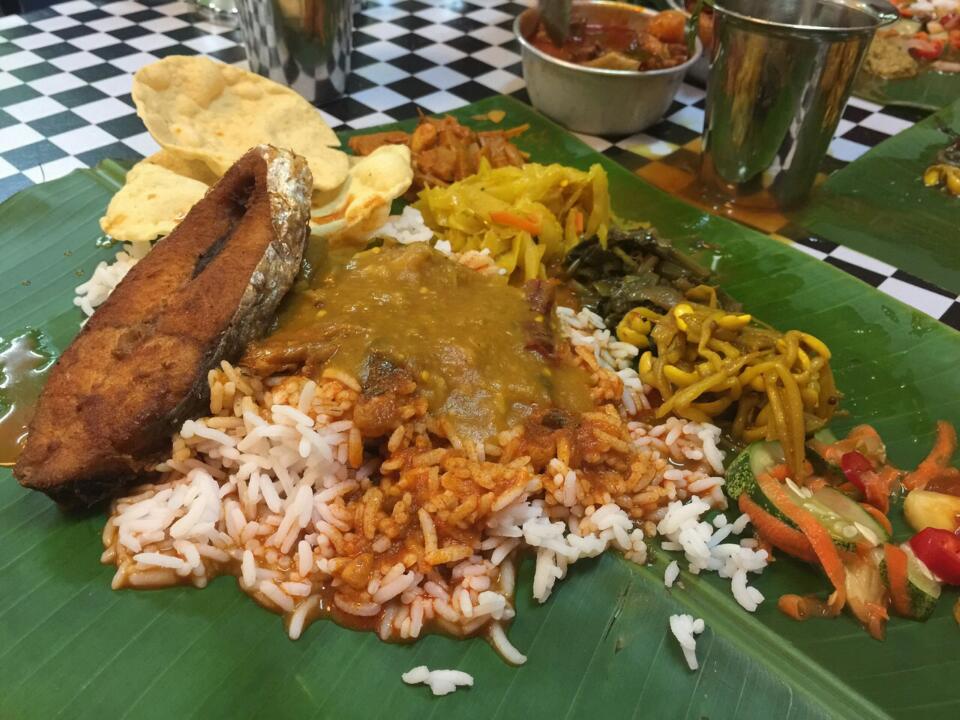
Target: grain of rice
[
  {"x": 248, "y": 569},
  {"x": 287, "y": 415},
  {"x": 161, "y": 577},
  {"x": 389, "y": 590},
  {"x": 341, "y": 377},
  {"x": 684, "y": 627},
  {"x": 462, "y": 598},
  {"x": 449, "y": 554},
  {"x": 500, "y": 642},
  {"x": 156, "y": 559},
  {"x": 360, "y": 609},
  {"x": 441, "y": 682},
  {"x": 275, "y": 595},
  {"x": 386, "y": 622},
  {"x": 189, "y": 552},
  {"x": 428, "y": 529},
  {"x": 304, "y": 558},
  {"x": 213, "y": 553},
  {"x": 740, "y": 524},
  {"x": 416, "y": 618},
  {"x": 299, "y": 617},
  {"x": 671, "y": 573},
  {"x": 296, "y": 589}
]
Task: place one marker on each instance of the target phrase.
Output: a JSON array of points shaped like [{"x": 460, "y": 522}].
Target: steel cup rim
[{"x": 882, "y": 11}]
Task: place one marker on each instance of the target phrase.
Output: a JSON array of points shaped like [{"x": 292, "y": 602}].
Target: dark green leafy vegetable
[
  {"x": 636, "y": 268},
  {"x": 950, "y": 155}
]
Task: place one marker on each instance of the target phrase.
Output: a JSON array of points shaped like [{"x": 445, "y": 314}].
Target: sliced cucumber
[
  {"x": 756, "y": 459},
  {"x": 845, "y": 519},
  {"x": 922, "y": 586},
  {"x": 822, "y": 466},
  {"x": 847, "y": 522},
  {"x": 825, "y": 435}
]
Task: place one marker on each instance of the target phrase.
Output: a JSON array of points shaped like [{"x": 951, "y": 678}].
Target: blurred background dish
[{"x": 616, "y": 74}]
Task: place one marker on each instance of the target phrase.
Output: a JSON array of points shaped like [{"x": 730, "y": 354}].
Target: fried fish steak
[{"x": 139, "y": 367}]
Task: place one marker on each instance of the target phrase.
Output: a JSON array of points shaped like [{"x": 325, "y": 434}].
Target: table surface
[{"x": 65, "y": 75}]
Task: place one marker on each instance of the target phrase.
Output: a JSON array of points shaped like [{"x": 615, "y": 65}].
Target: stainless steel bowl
[{"x": 594, "y": 100}]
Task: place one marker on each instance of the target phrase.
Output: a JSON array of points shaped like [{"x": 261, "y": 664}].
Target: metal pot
[{"x": 595, "y": 100}]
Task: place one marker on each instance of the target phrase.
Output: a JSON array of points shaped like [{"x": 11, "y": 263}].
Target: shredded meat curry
[{"x": 444, "y": 151}]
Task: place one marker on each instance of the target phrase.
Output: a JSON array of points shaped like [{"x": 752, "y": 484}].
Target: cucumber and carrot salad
[{"x": 834, "y": 514}]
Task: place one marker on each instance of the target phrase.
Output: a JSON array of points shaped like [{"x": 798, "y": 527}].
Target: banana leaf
[
  {"x": 928, "y": 90},
  {"x": 600, "y": 647},
  {"x": 879, "y": 205}
]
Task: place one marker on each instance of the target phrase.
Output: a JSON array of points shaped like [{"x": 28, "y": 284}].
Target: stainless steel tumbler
[
  {"x": 781, "y": 75},
  {"x": 305, "y": 44}
]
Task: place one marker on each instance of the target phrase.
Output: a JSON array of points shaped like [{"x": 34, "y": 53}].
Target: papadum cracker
[
  {"x": 151, "y": 203},
  {"x": 201, "y": 109},
  {"x": 374, "y": 182},
  {"x": 187, "y": 167}
]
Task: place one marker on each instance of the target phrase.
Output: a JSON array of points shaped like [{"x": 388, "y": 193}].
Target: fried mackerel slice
[{"x": 139, "y": 367}]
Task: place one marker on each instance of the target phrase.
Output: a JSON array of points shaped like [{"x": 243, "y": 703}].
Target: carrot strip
[
  {"x": 578, "y": 221},
  {"x": 937, "y": 460},
  {"x": 817, "y": 535},
  {"x": 777, "y": 533},
  {"x": 514, "y": 131},
  {"x": 878, "y": 486},
  {"x": 803, "y": 607},
  {"x": 897, "y": 578},
  {"x": 879, "y": 517},
  {"x": 781, "y": 472},
  {"x": 863, "y": 439},
  {"x": 504, "y": 217},
  {"x": 875, "y": 620}
]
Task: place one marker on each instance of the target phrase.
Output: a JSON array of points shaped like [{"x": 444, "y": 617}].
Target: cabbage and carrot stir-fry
[
  {"x": 703, "y": 360},
  {"x": 524, "y": 216}
]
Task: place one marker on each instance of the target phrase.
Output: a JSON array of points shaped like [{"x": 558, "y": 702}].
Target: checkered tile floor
[{"x": 65, "y": 103}]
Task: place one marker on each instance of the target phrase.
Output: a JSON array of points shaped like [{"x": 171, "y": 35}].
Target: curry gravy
[
  {"x": 466, "y": 338},
  {"x": 24, "y": 363}
]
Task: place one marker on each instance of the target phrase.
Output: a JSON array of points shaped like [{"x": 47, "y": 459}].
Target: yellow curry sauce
[
  {"x": 464, "y": 337},
  {"x": 24, "y": 364}
]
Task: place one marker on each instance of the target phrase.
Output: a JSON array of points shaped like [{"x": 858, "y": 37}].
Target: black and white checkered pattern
[
  {"x": 275, "y": 48},
  {"x": 65, "y": 81}
]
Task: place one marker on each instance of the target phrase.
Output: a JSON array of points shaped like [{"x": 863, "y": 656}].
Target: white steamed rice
[
  {"x": 441, "y": 682},
  {"x": 684, "y": 628},
  {"x": 260, "y": 488},
  {"x": 106, "y": 276}
]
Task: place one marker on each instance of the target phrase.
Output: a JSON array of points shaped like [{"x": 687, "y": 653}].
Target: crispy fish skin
[{"x": 139, "y": 367}]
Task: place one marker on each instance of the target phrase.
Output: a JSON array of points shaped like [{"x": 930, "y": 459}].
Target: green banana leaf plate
[
  {"x": 600, "y": 647},
  {"x": 879, "y": 205},
  {"x": 928, "y": 90}
]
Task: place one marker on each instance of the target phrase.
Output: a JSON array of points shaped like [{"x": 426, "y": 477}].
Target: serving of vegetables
[
  {"x": 927, "y": 37},
  {"x": 707, "y": 361},
  {"x": 810, "y": 495},
  {"x": 836, "y": 517},
  {"x": 524, "y": 216}
]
